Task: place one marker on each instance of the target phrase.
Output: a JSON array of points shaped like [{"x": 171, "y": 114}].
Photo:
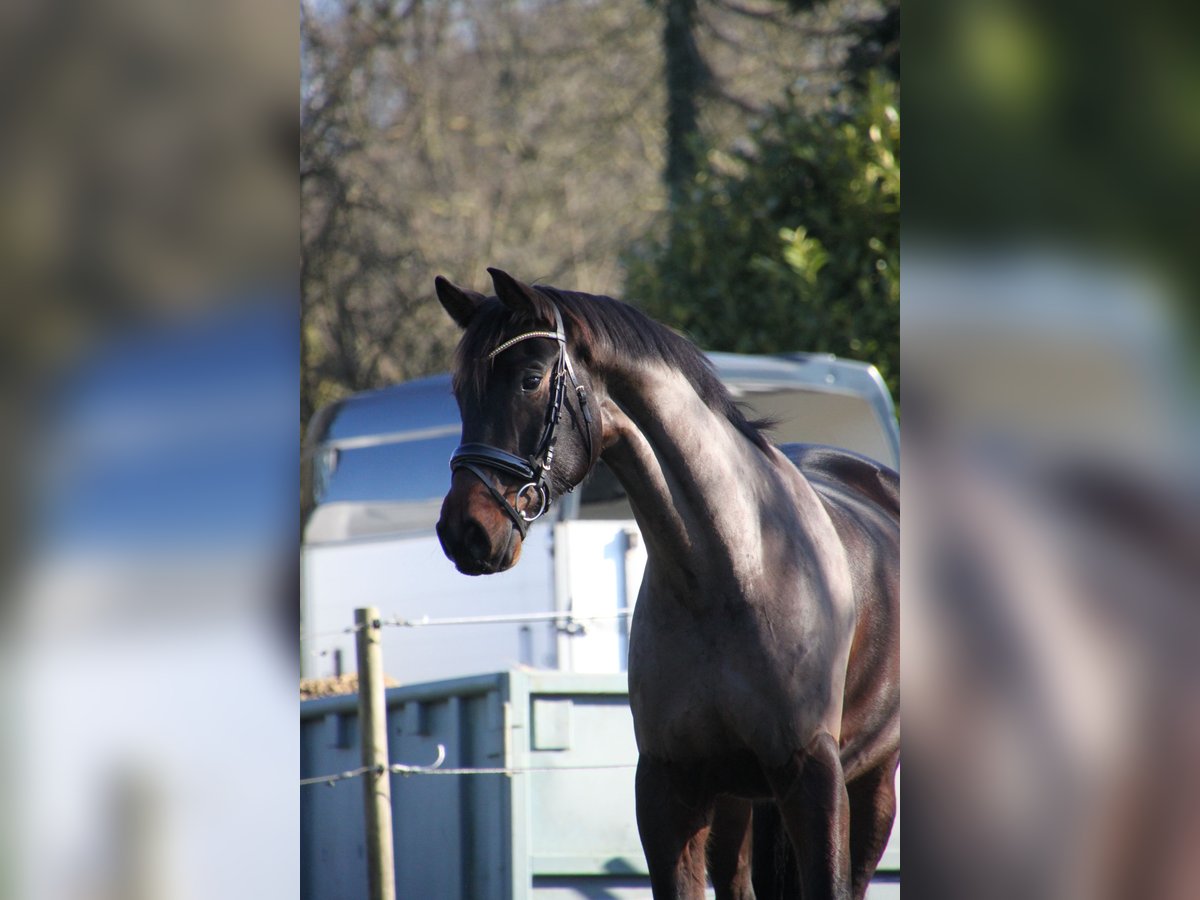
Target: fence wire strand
[
  {"x": 435, "y": 768},
  {"x": 500, "y": 619}
]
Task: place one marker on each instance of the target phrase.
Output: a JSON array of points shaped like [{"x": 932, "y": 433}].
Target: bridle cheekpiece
[{"x": 534, "y": 470}]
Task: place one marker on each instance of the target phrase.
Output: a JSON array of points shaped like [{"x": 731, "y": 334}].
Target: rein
[{"x": 533, "y": 470}]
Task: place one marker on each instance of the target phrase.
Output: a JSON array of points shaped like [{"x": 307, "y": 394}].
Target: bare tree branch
[
  {"x": 442, "y": 138},
  {"x": 772, "y": 14}
]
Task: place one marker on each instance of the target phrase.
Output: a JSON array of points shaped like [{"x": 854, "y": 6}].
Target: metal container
[{"x": 557, "y": 831}]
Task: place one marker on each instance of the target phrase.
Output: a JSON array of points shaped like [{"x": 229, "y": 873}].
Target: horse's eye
[{"x": 531, "y": 382}]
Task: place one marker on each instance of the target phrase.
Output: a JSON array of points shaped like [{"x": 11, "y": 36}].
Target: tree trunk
[{"x": 687, "y": 76}]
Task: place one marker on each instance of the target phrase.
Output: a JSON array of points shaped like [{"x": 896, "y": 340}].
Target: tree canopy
[{"x": 792, "y": 242}]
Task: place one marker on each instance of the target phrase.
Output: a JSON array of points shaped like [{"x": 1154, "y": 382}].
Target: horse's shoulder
[{"x": 838, "y": 470}]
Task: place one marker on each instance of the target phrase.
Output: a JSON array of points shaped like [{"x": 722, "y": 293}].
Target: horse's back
[{"x": 832, "y": 470}]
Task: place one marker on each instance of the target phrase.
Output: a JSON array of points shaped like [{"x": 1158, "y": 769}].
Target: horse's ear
[
  {"x": 462, "y": 304},
  {"x": 516, "y": 295}
]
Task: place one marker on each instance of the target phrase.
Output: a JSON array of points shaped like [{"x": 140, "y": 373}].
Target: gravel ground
[{"x": 312, "y": 688}]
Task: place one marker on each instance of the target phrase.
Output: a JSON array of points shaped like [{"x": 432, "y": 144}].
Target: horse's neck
[{"x": 695, "y": 482}]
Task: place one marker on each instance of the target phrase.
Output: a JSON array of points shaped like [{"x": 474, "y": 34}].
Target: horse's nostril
[
  {"x": 466, "y": 542},
  {"x": 476, "y": 543}
]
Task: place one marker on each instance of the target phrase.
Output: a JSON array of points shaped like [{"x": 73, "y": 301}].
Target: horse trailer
[{"x": 377, "y": 467}]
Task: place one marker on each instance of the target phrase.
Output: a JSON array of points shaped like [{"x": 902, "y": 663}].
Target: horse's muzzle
[{"x": 475, "y": 534}]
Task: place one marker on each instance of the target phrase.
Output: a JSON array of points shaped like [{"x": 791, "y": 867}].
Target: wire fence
[
  {"x": 499, "y": 619},
  {"x": 436, "y": 768}
]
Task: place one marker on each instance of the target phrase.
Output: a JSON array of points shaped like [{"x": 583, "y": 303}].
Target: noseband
[{"x": 534, "y": 470}]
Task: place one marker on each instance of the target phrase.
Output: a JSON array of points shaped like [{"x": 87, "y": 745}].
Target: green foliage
[{"x": 793, "y": 245}]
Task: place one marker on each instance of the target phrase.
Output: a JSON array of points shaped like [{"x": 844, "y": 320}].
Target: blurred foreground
[
  {"x": 1052, "y": 499},
  {"x": 148, "y": 233},
  {"x": 1051, "y": 563}
]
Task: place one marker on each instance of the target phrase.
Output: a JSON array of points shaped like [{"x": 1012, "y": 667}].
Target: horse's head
[{"x": 530, "y": 430}]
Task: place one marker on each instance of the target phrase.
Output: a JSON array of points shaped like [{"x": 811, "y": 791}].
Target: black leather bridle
[{"x": 533, "y": 470}]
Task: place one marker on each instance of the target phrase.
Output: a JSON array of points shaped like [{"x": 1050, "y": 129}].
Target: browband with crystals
[{"x": 524, "y": 337}]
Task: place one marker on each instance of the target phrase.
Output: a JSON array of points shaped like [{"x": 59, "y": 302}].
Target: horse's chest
[
  {"x": 675, "y": 695},
  {"x": 699, "y": 693}
]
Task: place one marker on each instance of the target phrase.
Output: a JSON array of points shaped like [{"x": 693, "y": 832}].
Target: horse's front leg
[
  {"x": 674, "y": 818},
  {"x": 815, "y": 807},
  {"x": 729, "y": 851},
  {"x": 872, "y": 814}
]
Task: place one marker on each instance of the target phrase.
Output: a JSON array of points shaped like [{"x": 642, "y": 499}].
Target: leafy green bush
[{"x": 793, "y": 244}]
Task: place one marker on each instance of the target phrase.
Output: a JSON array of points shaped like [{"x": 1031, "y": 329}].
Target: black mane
[{"x": 597, "y": 325}]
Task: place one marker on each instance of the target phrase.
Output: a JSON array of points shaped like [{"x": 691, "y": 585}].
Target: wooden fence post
[{"x": 372, "y": 719}]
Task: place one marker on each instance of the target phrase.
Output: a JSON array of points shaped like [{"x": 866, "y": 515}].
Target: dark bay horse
[{"x": 764, "y": 654}]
